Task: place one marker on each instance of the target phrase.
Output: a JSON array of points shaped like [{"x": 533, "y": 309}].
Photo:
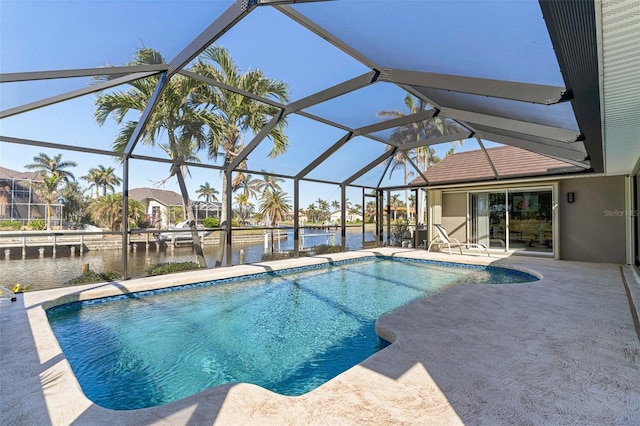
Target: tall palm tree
[
  {"x": 174, "y": 116},
  {"x": 47, "y": 190},
  {"x": 53, "y": 172},
  {"x": 274, "y": 205},
  {"x": 230, "y": 115},
  {"x": 207, "y": 192},
  {"x": 104, "y": 177},
  {"x": 269, "y": 182},
  {"x": 250, "y": 187},
  {"x": 414, "y": 132},
  {"x": 108, "y": 179},
  {"x": 93, "y": 177},
  {"x": 46, "y": 165}
]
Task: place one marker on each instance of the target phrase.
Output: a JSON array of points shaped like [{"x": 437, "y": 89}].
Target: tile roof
[
  {"x": 509, "y": 161},
  {"x": 168, "y": 198},
  {"x": 12, "y": 174}
]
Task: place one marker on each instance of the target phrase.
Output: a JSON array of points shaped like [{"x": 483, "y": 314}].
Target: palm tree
[
  {"x": 207, "y": 192},
  {"x": 46, "y": 165},
  {"x": 47, "y": 190},
  {"x": 250, "y": 187},
  {"x": 414, "y": 132},
  {"x": 242, "y": 200},
  {"x": 106, "y": 211},
  {"x": 395, "y": 203},
  {"x": 274, "y": 205},
  {"x": 93, "y": 178},
  {"x": 335, "y": 205},
  {"x": 269, "y": 182},
  {"x": 231, "y": 114},
  {"x": 174, "y": 116},
  {"x": 102, "y": 177},
  {"x": 53, "y": 172},
  {"x": 108, "y": 180}
]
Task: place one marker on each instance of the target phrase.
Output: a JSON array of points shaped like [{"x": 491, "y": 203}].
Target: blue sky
[{"x": 46, "y": 35}]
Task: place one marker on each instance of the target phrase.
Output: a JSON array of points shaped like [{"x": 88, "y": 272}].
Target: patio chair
[{"x": 443, "y": 239}]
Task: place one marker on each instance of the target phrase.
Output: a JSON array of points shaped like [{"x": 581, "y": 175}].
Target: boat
[{"x": 180, "y": 233}]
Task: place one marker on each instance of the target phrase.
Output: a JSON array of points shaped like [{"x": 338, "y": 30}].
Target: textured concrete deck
[{"x": 562, "y": 350}]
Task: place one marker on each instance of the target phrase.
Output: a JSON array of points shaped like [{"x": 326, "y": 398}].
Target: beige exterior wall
[
  {"x": 454, "y": 215},
  {"x": 592, "y": 229}
]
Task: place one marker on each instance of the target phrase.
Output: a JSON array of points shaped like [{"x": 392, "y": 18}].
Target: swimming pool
[{"x": 288, "y": 331}]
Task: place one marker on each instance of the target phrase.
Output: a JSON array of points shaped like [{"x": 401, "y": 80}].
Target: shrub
[
  {"x": 37, "y": 225},
  {"x": 211, "y": 222},
  {"x": 94, "y": 277},
  {"x": 169, "y": 267},
  {"x": 398, "y": 231},
  {"x": 326, "y": 249},
  {"x": 10, "y": 225}
]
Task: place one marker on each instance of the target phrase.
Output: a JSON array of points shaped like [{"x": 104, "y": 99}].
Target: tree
[
  {"x": 106, "y": 211},
  {"x": 274, "y": 205},
  {"x": 230, "y": 114},
  {"x": 250, "y": 187},
  {"x": 269, "y": 182},
  {"x": 395, "y": 203},
  {"x": 207, "y": 192},
  {"x": 174, "y": 116},
  {"x": 53, "y": 172},
  {"x": 75, "y": 203},
  {"x": 102, "y": 177},
  {"x": 415, "y": 132},
  {"x": 242, "y": 200},
  {"x": 46, "y": 165}
]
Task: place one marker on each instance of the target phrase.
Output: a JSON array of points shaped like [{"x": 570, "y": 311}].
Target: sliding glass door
[{"x": 512, "y": 219}]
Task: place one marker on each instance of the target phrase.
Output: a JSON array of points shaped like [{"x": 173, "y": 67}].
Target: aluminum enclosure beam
[
  {"x": 525, "y": 92},
  {"x": 73, "y": 94},
  {"x": 54, "y": 145},
  {"x": 142, "y": 122},
  {"x": 370, "y": 166},
  {"x": 548, "y": 132},
  {"x": 82, "y": 72},
  {"x": 396, "y": 122},
  {"x": 320, "y": 159},
  {"x": 422, "y": 174},
  {"x": 234, "y": 13},
  {"x": 334, "y": 91},
  {"x": 435, "y": 141},
  {"x": 244, "y": 93},
  {"x": 486, "y": 154},
  {"x": 263, "y": 133},
  {"x": 573, "y": 32},
  {"x": 384, "y": 173},
  {"x": 549, "y": 150}
]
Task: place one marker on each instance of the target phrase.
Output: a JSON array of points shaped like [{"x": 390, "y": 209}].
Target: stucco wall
[
  {"x": 454, "y": 215},
  {"x": 592, "y": 228}
]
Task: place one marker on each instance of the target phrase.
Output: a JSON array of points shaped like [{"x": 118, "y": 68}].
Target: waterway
[{"x": 49, "y": 272}]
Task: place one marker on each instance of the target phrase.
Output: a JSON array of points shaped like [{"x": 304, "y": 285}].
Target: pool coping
[{"x": 46, "y": 378}]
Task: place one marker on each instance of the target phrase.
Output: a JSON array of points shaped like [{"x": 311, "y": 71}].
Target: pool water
[{"x": 287, "y": 332}]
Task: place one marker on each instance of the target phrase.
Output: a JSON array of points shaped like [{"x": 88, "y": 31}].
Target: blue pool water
[{"x": 288, "y": 332}]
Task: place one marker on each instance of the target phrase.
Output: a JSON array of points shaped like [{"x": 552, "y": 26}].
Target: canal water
[{"x": 49, "y": 272}]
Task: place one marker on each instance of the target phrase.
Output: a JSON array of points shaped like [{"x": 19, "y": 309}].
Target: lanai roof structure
[{"x": 552, "y": 77}]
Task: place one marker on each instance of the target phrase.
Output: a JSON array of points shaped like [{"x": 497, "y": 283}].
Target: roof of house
[
  {"x": 13, "y": 174},
  {"x": 168, "y": 198},
  {"x": 509, "y": 162}
]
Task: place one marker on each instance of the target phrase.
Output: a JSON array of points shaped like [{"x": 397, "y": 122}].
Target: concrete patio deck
[{"x": 562, "y": 350}]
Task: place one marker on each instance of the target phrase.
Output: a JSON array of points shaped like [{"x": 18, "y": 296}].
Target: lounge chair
[{"x": 443, "y": 239}]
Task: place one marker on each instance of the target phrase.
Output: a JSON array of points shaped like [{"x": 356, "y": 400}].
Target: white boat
[{"x": 183, "y": 235}]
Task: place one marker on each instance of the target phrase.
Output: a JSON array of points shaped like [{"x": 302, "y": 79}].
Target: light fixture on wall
[{"x": 571, "y": 197}]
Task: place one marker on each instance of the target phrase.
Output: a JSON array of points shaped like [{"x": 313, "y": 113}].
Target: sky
[{"x": 50, "y": 35}]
